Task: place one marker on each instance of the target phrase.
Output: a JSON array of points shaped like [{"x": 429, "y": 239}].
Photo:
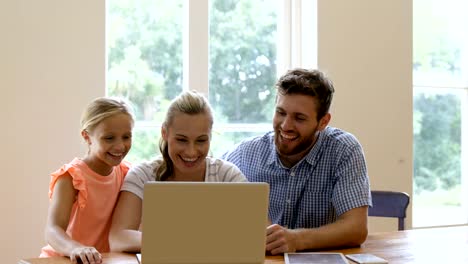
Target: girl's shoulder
[
  {"x": 77, "y": 170},
  {"x": 74, "y": 167},
  {"x": 124, "y": 167}
]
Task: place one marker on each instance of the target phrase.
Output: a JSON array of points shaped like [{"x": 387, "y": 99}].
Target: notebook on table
[{"x": 204, "y": 222}]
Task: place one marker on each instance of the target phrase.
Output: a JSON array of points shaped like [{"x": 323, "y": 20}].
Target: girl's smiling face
[{"x": 109, "y": 143}]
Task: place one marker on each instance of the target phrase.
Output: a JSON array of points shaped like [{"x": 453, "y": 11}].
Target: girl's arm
[
  {"x": 63, "y": 197},
  {"x": 125, "y": 235}
]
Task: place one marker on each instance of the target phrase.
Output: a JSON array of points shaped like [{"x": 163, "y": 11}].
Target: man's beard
[{"x": 301, "y": 144}]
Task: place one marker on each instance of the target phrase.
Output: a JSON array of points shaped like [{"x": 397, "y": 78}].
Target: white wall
[
  {"x": 366, "y": 48},
  {"x": 52, "y": 59},
  {"x": 52, "y": 63}
]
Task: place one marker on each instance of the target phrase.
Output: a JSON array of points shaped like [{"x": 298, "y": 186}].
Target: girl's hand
[{"x": 88, "y": 255}]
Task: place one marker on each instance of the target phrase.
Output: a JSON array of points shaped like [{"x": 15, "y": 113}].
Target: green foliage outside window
[
  {"x": 144, "y": 42},
  {"x": 437, "y": 143},
  {"x": 438, "y": 30},
  {"x": 145, "y": 66},
  {"x": 243, "y": 60}
]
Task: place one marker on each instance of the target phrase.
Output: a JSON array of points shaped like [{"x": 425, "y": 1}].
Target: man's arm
[{"x": 349, "y": 230}]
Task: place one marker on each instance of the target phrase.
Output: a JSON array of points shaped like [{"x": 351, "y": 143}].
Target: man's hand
[
  {"x": 87, "y": 255},
  {"x": 280, "y": 240}
]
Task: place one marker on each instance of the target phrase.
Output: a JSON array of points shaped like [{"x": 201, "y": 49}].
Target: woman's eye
[{"x": 281, "y": 113}]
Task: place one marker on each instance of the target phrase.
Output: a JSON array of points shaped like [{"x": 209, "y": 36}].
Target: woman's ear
[
  {"x": 86, "y": 137},
  {"x": 164, "y": 132}
]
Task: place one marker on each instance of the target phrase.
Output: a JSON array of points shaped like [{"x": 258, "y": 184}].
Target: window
[
  {"x": 440, "y": 85},
  {"x": 231, "y": 50},
  {"x": 144, "y": 50}
]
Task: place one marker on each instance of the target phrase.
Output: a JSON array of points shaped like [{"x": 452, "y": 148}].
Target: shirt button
[
  {"x": 293, "y": 174},
  {"x": 288, "y": 201}
]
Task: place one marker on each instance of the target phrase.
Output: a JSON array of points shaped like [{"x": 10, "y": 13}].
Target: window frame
[{"x": 296, "y": 48}]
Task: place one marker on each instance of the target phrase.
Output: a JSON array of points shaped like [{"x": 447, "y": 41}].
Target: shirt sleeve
[
  {"x": 352, "y": 189},
  {"x": 136, "y": 178},
  {"x": 78, "y": 180}
]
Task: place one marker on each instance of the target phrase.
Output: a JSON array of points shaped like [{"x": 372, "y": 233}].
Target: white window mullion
[
  {"x": 464, "y": 153},
  {"x": 284, "y": 37},
  {"x": 297, "y": 35},
  {"x": 196, "y": 49},
  {"x": 464, "y": 125},
  {"x": 309, "y": 34}
]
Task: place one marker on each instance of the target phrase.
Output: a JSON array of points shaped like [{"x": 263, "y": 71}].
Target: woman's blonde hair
[{"x": 188, "y": 102}]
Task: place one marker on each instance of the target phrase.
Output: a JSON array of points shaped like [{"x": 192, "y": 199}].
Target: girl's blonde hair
[
  {"x": 188, "y": 102},
  {"x": 102, "y": 108}
]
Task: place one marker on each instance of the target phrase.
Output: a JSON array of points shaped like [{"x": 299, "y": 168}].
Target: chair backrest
[{"x": 390, "y": 204}]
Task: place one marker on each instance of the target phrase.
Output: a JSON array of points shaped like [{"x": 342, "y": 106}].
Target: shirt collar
[
  {"x": 310, "y": 157},
  {"x": 272, "y": 156}
]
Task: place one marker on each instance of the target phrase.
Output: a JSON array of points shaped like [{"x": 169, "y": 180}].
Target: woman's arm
[
  {"x": 63, "y": 197},
  {"x": 125, "y": 235}
]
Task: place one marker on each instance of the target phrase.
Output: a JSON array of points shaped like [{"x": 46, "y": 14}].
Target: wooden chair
[{"x": 390, "y": 204}]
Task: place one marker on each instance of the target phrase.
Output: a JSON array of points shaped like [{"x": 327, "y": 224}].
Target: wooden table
[{"x": 432, "y": 245}]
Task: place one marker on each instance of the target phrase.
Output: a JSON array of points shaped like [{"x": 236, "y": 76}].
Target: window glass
[
  {"x": 439, "y": 105},
  {"x": 440, "y": 43},
  {"x": 437, "y": 152},
  {"x": 145, "y": 64},
  {"x": 242, "y": 70},
  {"x": 144, "y": 49}
]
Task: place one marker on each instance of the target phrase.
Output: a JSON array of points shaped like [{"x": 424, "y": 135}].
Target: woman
[{"x": 184, "y": 144}]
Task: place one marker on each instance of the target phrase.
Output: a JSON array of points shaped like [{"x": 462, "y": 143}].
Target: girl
[
  {"x": 83, "y": 192},
  {"x": 184, "y": 144}
]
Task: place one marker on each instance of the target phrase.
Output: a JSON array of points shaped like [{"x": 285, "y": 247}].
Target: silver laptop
[{"x": 204, "y": 222}]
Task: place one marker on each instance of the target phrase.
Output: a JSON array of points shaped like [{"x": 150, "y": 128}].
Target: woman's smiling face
[{"x": 188, "y": 138}]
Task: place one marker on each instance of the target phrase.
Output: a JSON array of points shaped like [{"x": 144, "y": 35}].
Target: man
[{"x": 319, "y": 188}]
